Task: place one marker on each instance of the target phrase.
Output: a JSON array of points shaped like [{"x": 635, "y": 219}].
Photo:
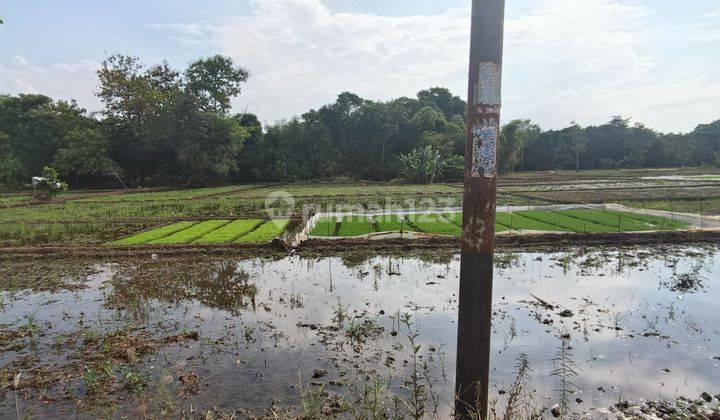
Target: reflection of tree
[{"x": 214, "y": 284}]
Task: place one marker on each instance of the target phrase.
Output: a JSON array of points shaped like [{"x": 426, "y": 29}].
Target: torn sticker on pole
[
  {"x": 487, "y": 89},
  {"x": 485, "y": 144}
]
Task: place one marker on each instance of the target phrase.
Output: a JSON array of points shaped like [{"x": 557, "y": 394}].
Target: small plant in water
[{"x": 565, "y": 369}]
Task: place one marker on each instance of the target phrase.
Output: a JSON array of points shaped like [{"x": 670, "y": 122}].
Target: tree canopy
[{"x": 161, "y": 126}]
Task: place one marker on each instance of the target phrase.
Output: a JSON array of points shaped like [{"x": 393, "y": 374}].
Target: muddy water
[{"x": 638, "y": 323}]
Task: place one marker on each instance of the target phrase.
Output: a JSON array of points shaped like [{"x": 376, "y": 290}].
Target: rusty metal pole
[{"x": 479, "y": 200}]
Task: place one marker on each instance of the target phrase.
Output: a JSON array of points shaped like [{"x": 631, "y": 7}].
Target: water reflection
[{"x": 648, "y": 314}]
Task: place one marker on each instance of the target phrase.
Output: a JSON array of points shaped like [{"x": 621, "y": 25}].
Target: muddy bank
[{"x": 531, "y": 241}]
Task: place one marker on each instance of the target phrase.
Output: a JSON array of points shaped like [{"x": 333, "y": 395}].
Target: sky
[{"x": 655, "y": 61}]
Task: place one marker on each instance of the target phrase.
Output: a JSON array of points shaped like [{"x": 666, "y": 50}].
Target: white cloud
[
  {"x": 565, "y": 60},
  {"x": 301, "y": 55},
  {"x": 59, "y": 81}
]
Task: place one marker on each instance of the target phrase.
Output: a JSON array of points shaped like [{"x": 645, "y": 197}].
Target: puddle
[{"x": 155, "y": 337}]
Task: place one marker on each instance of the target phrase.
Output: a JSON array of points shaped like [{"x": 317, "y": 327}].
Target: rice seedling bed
[
  {"x": 153, "y": 235},
  {"x": 589, "y": 221},
  {"x": 265, "y": 232},
  {"x": 230, "y": 232},
  {"x": 624, "y": 221},
  {"x": 191, "y": 234},
  {"x": 392, "y": 223},
  {"x": 356, "y": 226},
  {"x": 566, "y": 222},
  {"x": 515, "y": 221},
  {"x": 434, "y": 223},
  {"x": 325, "y": 226}
]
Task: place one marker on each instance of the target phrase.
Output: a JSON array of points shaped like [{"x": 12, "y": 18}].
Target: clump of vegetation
[
  {"x": 49, "y": 185},
  {"x": 423, "y": 165}
]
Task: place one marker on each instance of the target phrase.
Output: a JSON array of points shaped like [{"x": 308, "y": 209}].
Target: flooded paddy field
[{"x": 353, "y": 333}]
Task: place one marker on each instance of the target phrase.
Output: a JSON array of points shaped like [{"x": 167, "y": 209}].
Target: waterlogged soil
[{"x": 169, "y": 337}]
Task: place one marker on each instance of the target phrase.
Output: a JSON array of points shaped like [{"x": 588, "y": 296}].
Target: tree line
[{"x": 160, "y": 126}]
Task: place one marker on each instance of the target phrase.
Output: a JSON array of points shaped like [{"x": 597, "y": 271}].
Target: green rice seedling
[
  {"x": 566, "y": 222},
  {"x": 161, "y": 195},
  {"x": 325, "y": 226},
  {"x": 265, "y": 232},
  {"x": 153, "y": 235},
  {"x": 624, "y": 221},
  {"x": 191, "y": 234},
  {"x": 656, "y": 222},
  {"x": 356, "y": 226},
  {"x": 230, "y": 232},
  {"x": 516, "y": 221},
  {"x": 434, "y": 223},
  {"x": 392, "y": 223}
]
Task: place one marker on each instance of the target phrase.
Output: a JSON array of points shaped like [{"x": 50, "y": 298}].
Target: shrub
[{"x": 49, "y": 185}]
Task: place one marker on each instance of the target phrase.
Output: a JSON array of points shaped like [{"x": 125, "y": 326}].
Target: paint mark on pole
[{"x": 485, "y": 145}]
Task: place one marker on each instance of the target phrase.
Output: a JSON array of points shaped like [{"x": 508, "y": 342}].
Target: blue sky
[{"x": 656, "y": 61}]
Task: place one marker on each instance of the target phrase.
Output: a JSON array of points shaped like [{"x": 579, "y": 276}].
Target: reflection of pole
[{"x": 479, "y": 199}]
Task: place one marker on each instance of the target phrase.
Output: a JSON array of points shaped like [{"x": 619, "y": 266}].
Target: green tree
[
  {"x": 444, "y": 100},
  {"x": 578, "y": 142},
  {"x": 11, "y": 168},
  {"x": 514, "y": 137},
  {"x": 84, "y": 152},
  {"x": 215, "y": 81}
]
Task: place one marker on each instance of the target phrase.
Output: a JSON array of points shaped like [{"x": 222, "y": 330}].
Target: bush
[
  {"x": 717, "y": 160},
  {"x": 49, "y": 185},
  {"x": 454, "y": 168},
  {"x": 422, "y": 165}
]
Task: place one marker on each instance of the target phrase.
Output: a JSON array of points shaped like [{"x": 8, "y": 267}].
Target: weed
[{"x": 564, "y": 369}]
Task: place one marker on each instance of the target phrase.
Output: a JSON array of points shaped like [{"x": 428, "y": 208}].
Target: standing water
[{"x": 145, "y": 337}]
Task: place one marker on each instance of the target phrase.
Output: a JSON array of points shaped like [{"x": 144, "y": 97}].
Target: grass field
[
  {"x": 191, "y": 234},
  {"x": 230, "y": 232}
]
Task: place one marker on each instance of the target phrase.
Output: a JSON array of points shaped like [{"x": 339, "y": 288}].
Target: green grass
[
  {"x": 191, "y": 234},
  {"x": 230, "y": 232},
  {"x": 161, "y": 195},
  {"x": 153, "y": 235},
  {"x": 265, "y": 232}
]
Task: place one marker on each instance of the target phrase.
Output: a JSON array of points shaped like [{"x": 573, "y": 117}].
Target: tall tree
[{"x": 215, "y": 81}]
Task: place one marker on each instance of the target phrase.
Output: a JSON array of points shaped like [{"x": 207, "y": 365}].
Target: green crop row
[
  {"x": 230, "y": 232},
  {"x": 191, "y": 234},
  {"x": 591, "y": 221},
  {"x": 153, "y": 235},
  {"x": 265, "y": 232}
]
